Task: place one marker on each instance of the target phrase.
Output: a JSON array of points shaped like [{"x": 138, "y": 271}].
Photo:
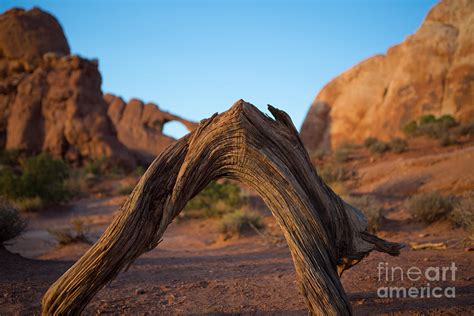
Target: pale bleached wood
[{"x": 325, "y": 235}]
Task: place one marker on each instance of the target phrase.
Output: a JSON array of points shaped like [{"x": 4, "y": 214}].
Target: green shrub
[
  {"x": 10, "y": 185},
  {"x": 431, "y": 207},
  {"x": 370, "y": 208},
  {"x": 11, "y": 224},
  {"x": 369, "y": 141},
  {"x": 44, "y": 177},
  {"x": 39, "y": 176},
  {"x": 398, "y": 145},
  {"x": 77, "y": 232},
  {"x": 240, "y": 221},
  {"x": 335, "y": 173},
  {"x": 9, "y": 157},
  {"x": 463, "y": 213},
  {"x": 447, "y": 120},
  {"x": 215, "y": 200},
  {"x": 411, "y": 129},
  {"x": 426, "y": 119},
  {"x": 379, "y": 147},
  {"x": 430, "y": 126}
]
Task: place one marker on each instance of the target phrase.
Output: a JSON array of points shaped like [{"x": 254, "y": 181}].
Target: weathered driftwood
[{"x": 325, "y": 235}]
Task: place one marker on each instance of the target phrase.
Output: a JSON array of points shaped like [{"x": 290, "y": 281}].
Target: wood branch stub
[{"x": 325, "y": 234}]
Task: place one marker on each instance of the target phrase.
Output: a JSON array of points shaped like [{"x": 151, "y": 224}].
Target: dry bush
[
  {"x": 379, "y": 147},
  {"x": 370, "y": 208},
  {"x": 343, "y": 152},
  {"x": 369, "y": 141},
  {"x": 27, "y": 204},
  {"x": 466, "y": 129},
  {"x": 463, "y": 214},
  {"x": 239, "y": 222},
  {"x": 77, "y": 232},
  {"x": 431, "y": 207},
  {"x": 398, "y": 145},
  {"x": 11, "y": 223},
  {"x": 448, "y": 140},
  {"x": 332, "y": 173}
]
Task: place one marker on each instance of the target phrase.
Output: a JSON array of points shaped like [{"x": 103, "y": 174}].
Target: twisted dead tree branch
[{"x": 325, "y": 235}]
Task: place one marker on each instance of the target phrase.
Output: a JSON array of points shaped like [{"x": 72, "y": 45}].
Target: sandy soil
[{"x": 194, "y": 271}]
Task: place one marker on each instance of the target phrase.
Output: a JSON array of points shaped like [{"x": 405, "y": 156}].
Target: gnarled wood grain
[{"x": 325, "y": 235}]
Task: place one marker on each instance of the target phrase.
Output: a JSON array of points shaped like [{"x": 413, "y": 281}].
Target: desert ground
[{"x": 195, "y": 270}]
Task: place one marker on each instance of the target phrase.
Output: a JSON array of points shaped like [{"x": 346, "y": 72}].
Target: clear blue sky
[{"x": 195, "y": 58}]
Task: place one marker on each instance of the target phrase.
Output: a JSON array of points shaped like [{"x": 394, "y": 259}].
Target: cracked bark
[{"x": 325, "y": 235}]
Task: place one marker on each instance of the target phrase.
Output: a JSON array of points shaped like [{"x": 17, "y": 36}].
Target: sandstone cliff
[
  {"x": 52, "y": 101},
  {"x": 431, "y": 72}
]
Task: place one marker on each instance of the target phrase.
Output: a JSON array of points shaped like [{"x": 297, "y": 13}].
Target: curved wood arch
[{"x": 325, "y": 235}]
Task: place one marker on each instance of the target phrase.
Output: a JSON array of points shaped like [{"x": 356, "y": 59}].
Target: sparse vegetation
[
  {"x": 369, "y": 141},
  {"x": 239, "y": 222},
  {"x": 77, "y": 232},
  {"x": 343, "y": 151},
  {"x": 370, "y": 208},
  {"x": 448, "y": 140},
  {"x": 29, "y": 204},
  {"x": 215, "y": 200},
  {"x": 37, "y": 176},
  {"x": 11, "y": 223},
  {"x": 430, "y": 126},
  {"x": 379, "y": 147},
  {"x": 398, "y": 145},
  {"x": 9, "y": 157},
  {"x": 97, "y": 167},
  {"x": 463, "y": 214},
  {"x": 466, "y": 129},
  {"x": 431, "y": 207},
  {"x": 77, "y": 183},
  {"x": 335, "y": 173}
]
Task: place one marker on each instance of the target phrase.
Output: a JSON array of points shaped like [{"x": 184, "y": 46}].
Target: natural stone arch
[
  {"x": 175, "y": 129},
  {"x": 325, "y": 235}
]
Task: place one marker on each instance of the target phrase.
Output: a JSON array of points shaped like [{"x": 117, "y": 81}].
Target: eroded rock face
[
  {"x": 28, "y": 35},
  {"x": 139, "y": 126},
  {"x": 58, "y": 107},
  {"x": 52, "y": 101},
  {"x": 431, "y": 72}
]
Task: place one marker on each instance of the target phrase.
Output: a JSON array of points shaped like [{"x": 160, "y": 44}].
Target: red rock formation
[
  {"x": 52, "y": 101},
  {"x": 140, "y": 126},
  {"x": 432, "y": 72},
  {"x": 28, "y": 35}
]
